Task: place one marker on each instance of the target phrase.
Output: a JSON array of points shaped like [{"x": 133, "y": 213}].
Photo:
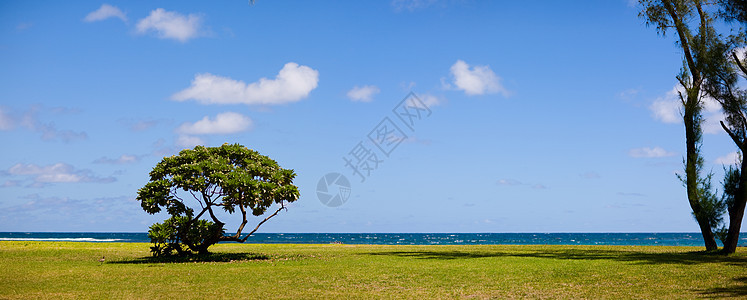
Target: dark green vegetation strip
[{"x": 72, "y": 270}]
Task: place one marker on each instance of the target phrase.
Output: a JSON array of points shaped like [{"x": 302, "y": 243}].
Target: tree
[
  {"x": 722, "y": 76},
  {"x": 226, "y": 177},
  {"x": 733, "y": 10},
  {"x": 679, "y": 15}
]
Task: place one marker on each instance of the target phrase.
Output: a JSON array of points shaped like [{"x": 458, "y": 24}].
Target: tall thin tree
[
  {"x": 680, "y": 15},
  {"x": 725, "y": 66}
]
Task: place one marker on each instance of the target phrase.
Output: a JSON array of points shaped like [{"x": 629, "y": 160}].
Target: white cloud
[
  {"x": 35, "y": 213},
  {"x": 124, "y": 159},
  {"x": 627, "y": 94},
  {"x": 141, "y": 125},
  {"x": 647, "y": 152},
  {"x": 415, "y": 140},
  {"x": 11, "y": 183},
  {"x": 631, "y": 194},
  {"x": 590, "y": 175},
  {"x": 188, "y": 141},
  {"x": 170, "y": 25},
  {"x": 6, "y": 121},
  {"x": 293, "y": 83},
  {"x": 477, "y": 80},
  {"x": 509, "y": 182},
  {"x": 729, "y": 159},
  {"x": 29, "y": 120},
  {"x": 513, "y": 182},
  {"x": 225, "y": 123},
  {"x": 412, "y": 5},
  {"x": 431, "y": 101},
  {"x": 104, "y": 12},
  {"x": 364, "y": 93},
  {"x": 668, "y": 109},
  {"x": 741, "y": 52},
  {"x": 50, "y": 133},
  {"x": 23, "y": 26},
  {"x": 56, "y": 173}
]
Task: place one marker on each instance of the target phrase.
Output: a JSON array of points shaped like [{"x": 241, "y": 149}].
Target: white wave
[{"x": 61, "y": 239}]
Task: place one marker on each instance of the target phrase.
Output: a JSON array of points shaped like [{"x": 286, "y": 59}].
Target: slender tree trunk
[
  {"x": 736, "y": 212},
  {"x": 708, "y": 237},
  {"x": 692, "y": 118},
  {"x": 693, "y": 139}
]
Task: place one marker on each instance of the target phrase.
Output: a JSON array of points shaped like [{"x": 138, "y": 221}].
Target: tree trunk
[
  {"x": 692, "y": 168},
  {"x": 708, "y": 237},
  {"x": 735, "y": 224},
  {"x": 736, "y": 212}
]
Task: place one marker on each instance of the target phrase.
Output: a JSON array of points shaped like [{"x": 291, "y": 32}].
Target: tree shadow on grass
[
  {"x": 684, "y": 258},
  {"x": 737, "y": 288},
  {"x": 212, "y": 257}
]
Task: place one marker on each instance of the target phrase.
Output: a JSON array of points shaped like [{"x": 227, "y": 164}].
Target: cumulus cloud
[
  {"x": 729, "y": 159},
  {"x": 364, "y": 93},
  {"x": 123, "y": 159},
  {"x": 104, "y": 12},
  {"x": 56, "y": 173},
  {"x": 225, "y": 123},
  {"x": 293, "y": 83},
  {"x": 170, "y": 25},
  {"x": 647, "y": 152},
  {"x": 477, "y": 80},
  {"x": 668, "y": 109},
  {"x": 188, "y": 141}
]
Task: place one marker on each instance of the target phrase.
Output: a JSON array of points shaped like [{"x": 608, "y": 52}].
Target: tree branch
[
  {"x": 263, "y": 221},
  {"x": 684, "y": 42},
  {"x": 243, "y": 222},
  {"x": 200, "y": 214},
  {"x": 682, "y": 99},
  {"x": 739, "y": 63},
  {"x": 198, "y": 199},
  {"x": 732, "y": 135},
  {"x": 212, "y": 215},
  {"x": 173, "y": 193}
]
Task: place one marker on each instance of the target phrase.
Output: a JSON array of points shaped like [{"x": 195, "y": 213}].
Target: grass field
[{"x": 72, "y": 270}]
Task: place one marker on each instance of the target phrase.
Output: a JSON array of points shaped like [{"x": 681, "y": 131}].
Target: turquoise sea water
[{"x": 655, "y": 239}]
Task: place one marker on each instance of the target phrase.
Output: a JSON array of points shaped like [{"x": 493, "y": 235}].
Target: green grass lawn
[{"x": 72, "y": 270}]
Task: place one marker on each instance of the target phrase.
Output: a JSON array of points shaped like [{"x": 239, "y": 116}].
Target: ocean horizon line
[
  {"x": 403, "y": 232},
  {"x": 442, "y": 238}
]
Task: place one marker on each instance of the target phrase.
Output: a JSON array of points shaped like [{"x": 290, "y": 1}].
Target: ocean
[{"x": 638, "y": 239}]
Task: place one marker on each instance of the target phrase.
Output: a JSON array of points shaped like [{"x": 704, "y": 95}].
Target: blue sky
[{"x": 544, "y": 117}]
